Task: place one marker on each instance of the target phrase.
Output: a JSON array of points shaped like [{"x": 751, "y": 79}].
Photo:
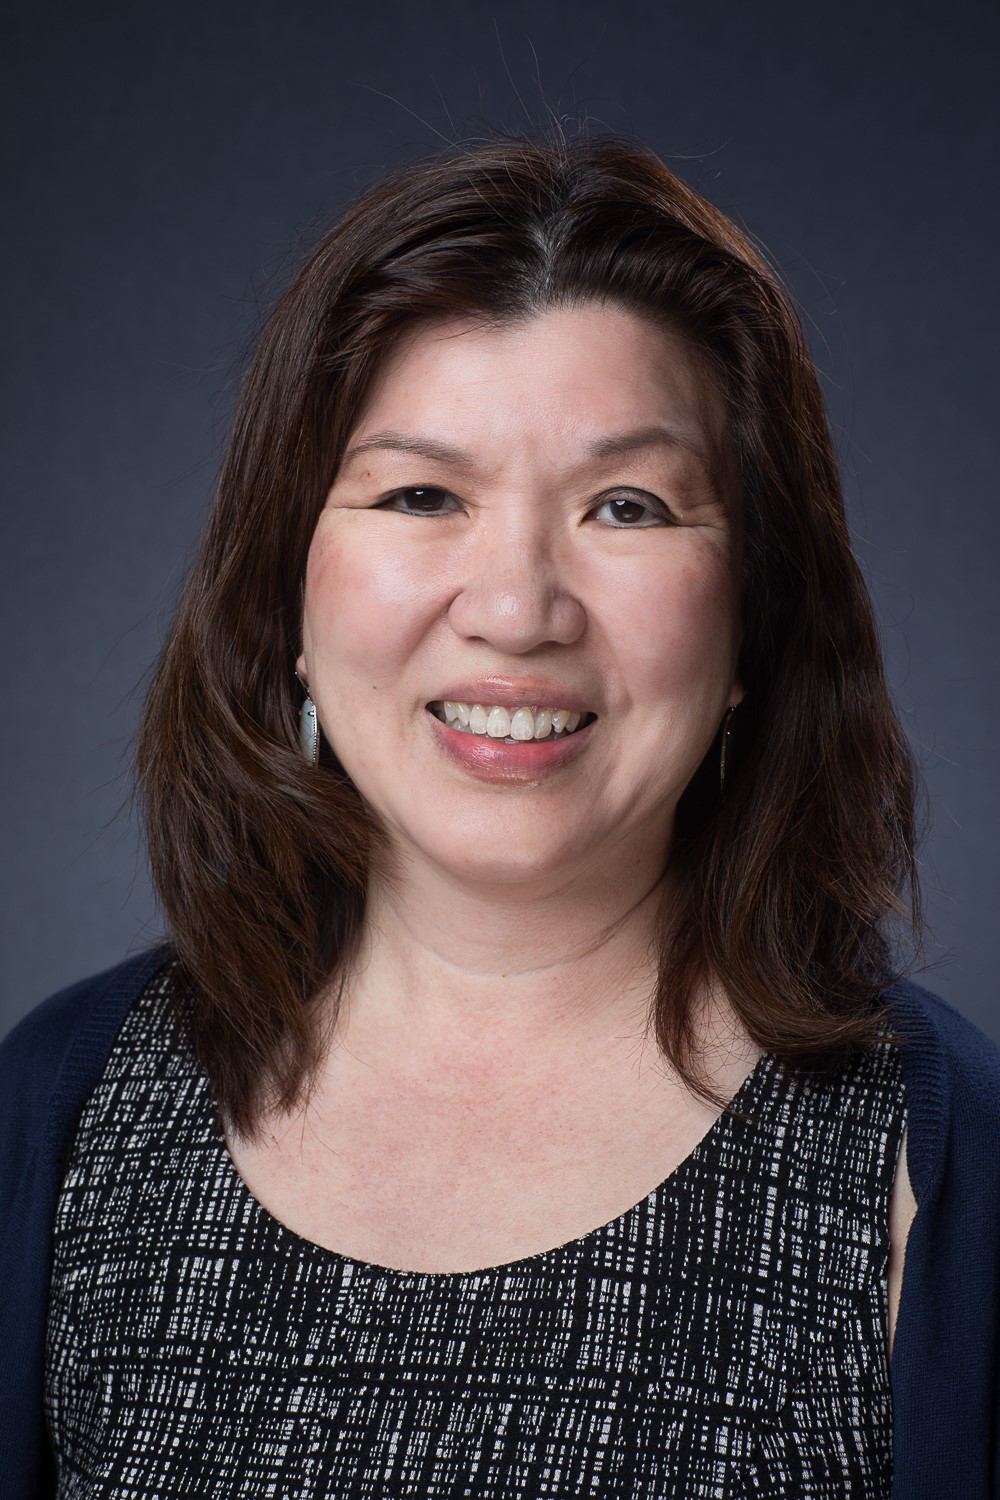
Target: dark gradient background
[{"x": 166, "y": 166}]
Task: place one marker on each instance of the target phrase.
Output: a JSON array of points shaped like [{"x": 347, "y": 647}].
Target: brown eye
[
  {"x": 629, "y": 511},
  {"x": 419, "y": 500}
]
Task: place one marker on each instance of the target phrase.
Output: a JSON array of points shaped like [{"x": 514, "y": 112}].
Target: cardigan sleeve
[
  {"x": 49, "y": 1065},
  {"x": 944, "y": 1368}
]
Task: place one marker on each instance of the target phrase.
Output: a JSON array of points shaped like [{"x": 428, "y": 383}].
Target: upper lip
[{"x": 515, "y": 692}]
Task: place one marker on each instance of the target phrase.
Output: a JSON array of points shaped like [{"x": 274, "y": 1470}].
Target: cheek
[
  {"x": 677, "y": 629},
  {"x": 363, "y": 603}
]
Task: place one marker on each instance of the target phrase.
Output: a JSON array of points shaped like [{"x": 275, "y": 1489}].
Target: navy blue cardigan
[{"x": 944, "y": 1368}]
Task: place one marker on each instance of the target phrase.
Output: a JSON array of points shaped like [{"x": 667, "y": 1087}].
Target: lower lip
[{"x": 495, "y": 760}]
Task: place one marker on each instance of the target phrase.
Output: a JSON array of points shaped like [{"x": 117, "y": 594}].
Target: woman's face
[{"x": 528, "y": 521}]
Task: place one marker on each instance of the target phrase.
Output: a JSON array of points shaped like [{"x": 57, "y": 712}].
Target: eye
[
  {"x": 633, "y": 511},
  {"x": 420, "y": 500}
]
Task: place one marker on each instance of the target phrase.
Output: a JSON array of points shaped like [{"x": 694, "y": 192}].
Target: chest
[{"x": 426, "y": 1182}]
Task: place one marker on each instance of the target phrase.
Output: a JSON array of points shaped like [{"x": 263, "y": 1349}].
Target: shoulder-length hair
[{"x": 786, "y": 883}]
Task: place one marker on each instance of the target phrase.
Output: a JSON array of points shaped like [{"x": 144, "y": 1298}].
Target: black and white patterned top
[{"x": 724, "y": 1338}]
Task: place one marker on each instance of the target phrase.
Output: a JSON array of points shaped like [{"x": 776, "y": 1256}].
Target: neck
[{"x": 449, "y": 967}]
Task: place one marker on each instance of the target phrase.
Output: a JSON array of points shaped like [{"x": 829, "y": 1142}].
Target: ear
[{"x": 736, "y": 694}]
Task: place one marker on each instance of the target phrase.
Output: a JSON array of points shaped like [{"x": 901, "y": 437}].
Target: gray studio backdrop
[{"x": 167, "y": 164}]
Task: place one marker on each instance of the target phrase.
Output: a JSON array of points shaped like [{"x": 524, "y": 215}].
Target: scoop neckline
[{"x": 279, "y": 1232}]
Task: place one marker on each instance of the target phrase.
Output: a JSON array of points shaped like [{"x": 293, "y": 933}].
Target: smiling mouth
[{"x": 511, "y": 726}]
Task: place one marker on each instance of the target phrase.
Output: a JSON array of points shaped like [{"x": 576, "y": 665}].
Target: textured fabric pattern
[{"x": 724, "y": 1338}]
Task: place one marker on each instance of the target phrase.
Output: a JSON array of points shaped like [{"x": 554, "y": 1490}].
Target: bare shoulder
[{"x": 902, "y": 1207}]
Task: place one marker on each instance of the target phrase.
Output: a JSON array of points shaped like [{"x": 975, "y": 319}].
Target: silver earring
[
  {"x": 309, "y": 731},
  {"x": 726, "y": 726}
]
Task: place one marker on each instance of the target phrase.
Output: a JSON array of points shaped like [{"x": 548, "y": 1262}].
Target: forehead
[{"x": 559, "y": 382}]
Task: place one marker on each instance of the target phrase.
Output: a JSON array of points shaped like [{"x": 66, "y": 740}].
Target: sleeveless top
[{"x": 726, "y": 1337}]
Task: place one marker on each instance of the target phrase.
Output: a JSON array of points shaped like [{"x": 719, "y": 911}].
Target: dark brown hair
[{"x": 786, "y": 882}]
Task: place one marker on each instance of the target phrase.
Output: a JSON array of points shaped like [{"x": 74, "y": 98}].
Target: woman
[{"x": 523, "y": 1105}]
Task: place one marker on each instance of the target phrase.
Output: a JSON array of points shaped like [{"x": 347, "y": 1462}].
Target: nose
[{"x": 515, "y": 595}]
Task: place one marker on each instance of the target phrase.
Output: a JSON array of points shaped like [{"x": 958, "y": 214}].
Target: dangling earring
[
  {"x": 309, "y": 730},
  {"x": 726, "y": 726}
]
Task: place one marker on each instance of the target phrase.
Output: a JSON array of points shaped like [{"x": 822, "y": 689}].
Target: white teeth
[
  {"x": 521, "y": 725},
  {"x": 498, "y": 724}
]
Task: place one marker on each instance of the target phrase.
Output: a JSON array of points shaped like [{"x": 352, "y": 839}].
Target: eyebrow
[
  {"x": 401, "y": 442},
  {"x": 654, "y": 435},
  {"x": 612, "y": 446}
]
